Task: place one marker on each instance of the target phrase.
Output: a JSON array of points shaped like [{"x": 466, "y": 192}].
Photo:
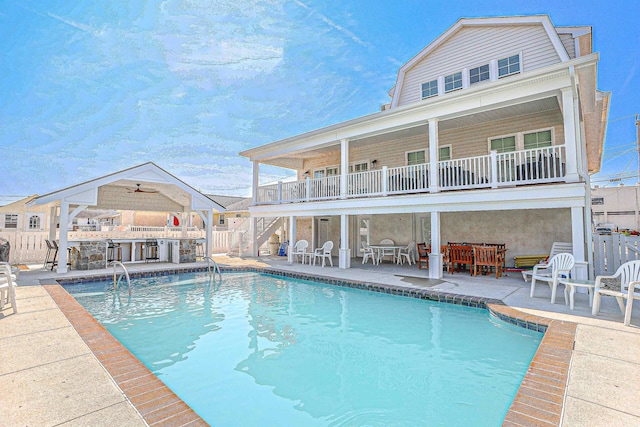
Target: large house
[{"x": 491, "y": 134}]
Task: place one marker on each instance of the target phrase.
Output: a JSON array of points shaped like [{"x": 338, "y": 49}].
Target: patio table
[
  {"x": 380, "y": 249},
  {"x": 570, "y": 286}
]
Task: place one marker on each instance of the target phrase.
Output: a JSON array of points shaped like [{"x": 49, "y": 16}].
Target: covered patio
[{"x": 145, "y": 187}]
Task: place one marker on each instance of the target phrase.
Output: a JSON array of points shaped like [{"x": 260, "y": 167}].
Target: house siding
[
  {"x": 569, "y": 44},
  {"x": 465, "y": 142},
  {"x": 475, "y": 46}
]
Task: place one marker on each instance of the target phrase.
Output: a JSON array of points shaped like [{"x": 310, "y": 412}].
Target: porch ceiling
[
  {"x": 294, "y": 159},
  {"x": 149, "y": 196}
]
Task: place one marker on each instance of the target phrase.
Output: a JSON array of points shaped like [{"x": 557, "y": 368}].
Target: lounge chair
[
  {"x": 624, "y": 284},
  {"x": 558, "y": 266}
]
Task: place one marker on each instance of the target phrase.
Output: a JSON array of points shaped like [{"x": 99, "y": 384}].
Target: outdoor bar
[{"x": 90, "y": 254}]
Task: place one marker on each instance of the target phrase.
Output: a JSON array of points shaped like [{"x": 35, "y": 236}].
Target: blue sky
[{"x": 90, "y": 88}]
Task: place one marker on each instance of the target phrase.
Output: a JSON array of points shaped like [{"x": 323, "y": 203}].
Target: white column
[
  {"x": 254, "y": 237},
  {"x": 53, "y": 221},
  {"x": 344, "y": 254},
  {"x": 571, "y": 136},
  {"x": 183, "y": 224},
  {"x": 433, "y": 155},
  {"x": 254, "y": 188},
  {"x": 209, "y": 233},
  {"x": 344, "y": 167},
  {"x": 435, "y": 257},
  {"x": 64, "y": 241},
  {"x": 292, "y": 238},
  {"x": 578, "y": 237}
]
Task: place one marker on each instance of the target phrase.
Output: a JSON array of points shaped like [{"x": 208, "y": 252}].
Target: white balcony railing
[{"x": 540, "y": 165}]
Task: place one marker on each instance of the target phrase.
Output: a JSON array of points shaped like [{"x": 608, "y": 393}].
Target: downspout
[{"x": 583, "y": 174}]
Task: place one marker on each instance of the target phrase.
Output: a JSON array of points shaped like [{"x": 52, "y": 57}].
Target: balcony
[{"x": 525, "y": 167}]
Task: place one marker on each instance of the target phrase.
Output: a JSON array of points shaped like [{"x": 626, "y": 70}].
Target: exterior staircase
[{"x": 241, "y": 240}]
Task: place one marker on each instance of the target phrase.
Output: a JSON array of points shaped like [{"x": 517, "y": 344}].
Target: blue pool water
[{"x": 257, "y": 349}]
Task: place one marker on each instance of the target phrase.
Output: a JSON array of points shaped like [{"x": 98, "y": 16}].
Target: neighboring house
[
  {"x": 235, "y": 207},
  {"x": 619, "y": 206},
  {"x": 490, "y": 136},
  {"x": 17, "y": 216}
]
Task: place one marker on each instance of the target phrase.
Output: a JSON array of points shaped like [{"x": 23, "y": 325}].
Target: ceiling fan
[{"x": 141, "y": 190}]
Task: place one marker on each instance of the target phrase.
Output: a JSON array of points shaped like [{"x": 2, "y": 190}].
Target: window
[
  {"x": 332, "y": 171},
  {"x": 476, "y": 75},
  {"x": 359, "y": 167},
  {"x": 34, "y": 222},
  {"x": 537, "y": 139},
  {"x": 453, "y": 82},
  {"x": 429, "y": 89},
  {"x": 444, "y": 153},
  {"x": 416, "y": 157},
  {"x": 10, "y": 221},
  {"x": 503, "y": 145},
  {"x": 221, "y": 220},
  {"x": 597, "y": 200},
  {"x": 508, "y": 66}
]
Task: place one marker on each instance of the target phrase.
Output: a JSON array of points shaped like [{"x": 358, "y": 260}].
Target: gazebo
[{"x": 145, "y": 187}]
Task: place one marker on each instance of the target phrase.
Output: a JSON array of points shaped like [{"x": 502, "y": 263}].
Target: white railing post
[
  {"x": 307, "y": 182},
  {"x": 385, "y": 172},
  {"x": 279, "y": 193},
  {"x": 494, "y": 169}
]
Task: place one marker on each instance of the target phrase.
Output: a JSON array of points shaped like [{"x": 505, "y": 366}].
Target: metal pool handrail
[
  {"x": 124, "y": 273},
  {"x": 215, "y": 266}
]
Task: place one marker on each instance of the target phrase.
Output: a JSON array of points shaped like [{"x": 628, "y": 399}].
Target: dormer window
[
  {"x": 478, "y": 74},
  {"x": 429, "y": 89},
  {"x": 508, "y": 66},
  {"x": 453, "y": 82}
]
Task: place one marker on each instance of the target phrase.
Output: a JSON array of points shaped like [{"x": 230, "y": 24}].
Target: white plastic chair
[
  {"x": 406, "y": 253},
  {"x": 626, "y": 284},
  {"x": 324, "y": 252},
  {"x": 556, "y": 248},
  {"x": 558, "y": 266},
  {"x": 300, "y": 249},
  {"x": 383, "y": 252},
  {"x": 7, "y": 287},
  {"x": 368, "y": 253}
]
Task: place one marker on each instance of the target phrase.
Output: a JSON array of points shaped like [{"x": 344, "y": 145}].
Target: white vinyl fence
[{"x": 610, "y": 251}]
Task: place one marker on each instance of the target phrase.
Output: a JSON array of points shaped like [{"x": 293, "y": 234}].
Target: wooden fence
[
  {"x": 610, "y": 251},
  {"x": 30, "y": 247}
]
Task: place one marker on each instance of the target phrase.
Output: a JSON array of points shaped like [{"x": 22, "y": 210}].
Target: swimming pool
[{"x": 265, "y": 350}]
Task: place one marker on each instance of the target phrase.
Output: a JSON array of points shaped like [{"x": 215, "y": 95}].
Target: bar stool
[
  {"x": 151, "y": 250},
  {"x": 54, "y": 261},
  {"x": 199, "y": 250},
  {"x": 114, "y": 251},
  {"x": 51, "y": 254}
]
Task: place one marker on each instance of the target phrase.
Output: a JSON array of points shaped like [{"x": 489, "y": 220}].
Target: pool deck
[{"x": 58, "y": 368}]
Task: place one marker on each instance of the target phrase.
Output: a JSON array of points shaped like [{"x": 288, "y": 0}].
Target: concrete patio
[{"x": 49, "y": 376}]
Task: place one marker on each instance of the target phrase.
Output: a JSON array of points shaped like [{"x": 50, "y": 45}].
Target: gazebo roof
[{"x": 143, "y": 187}]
